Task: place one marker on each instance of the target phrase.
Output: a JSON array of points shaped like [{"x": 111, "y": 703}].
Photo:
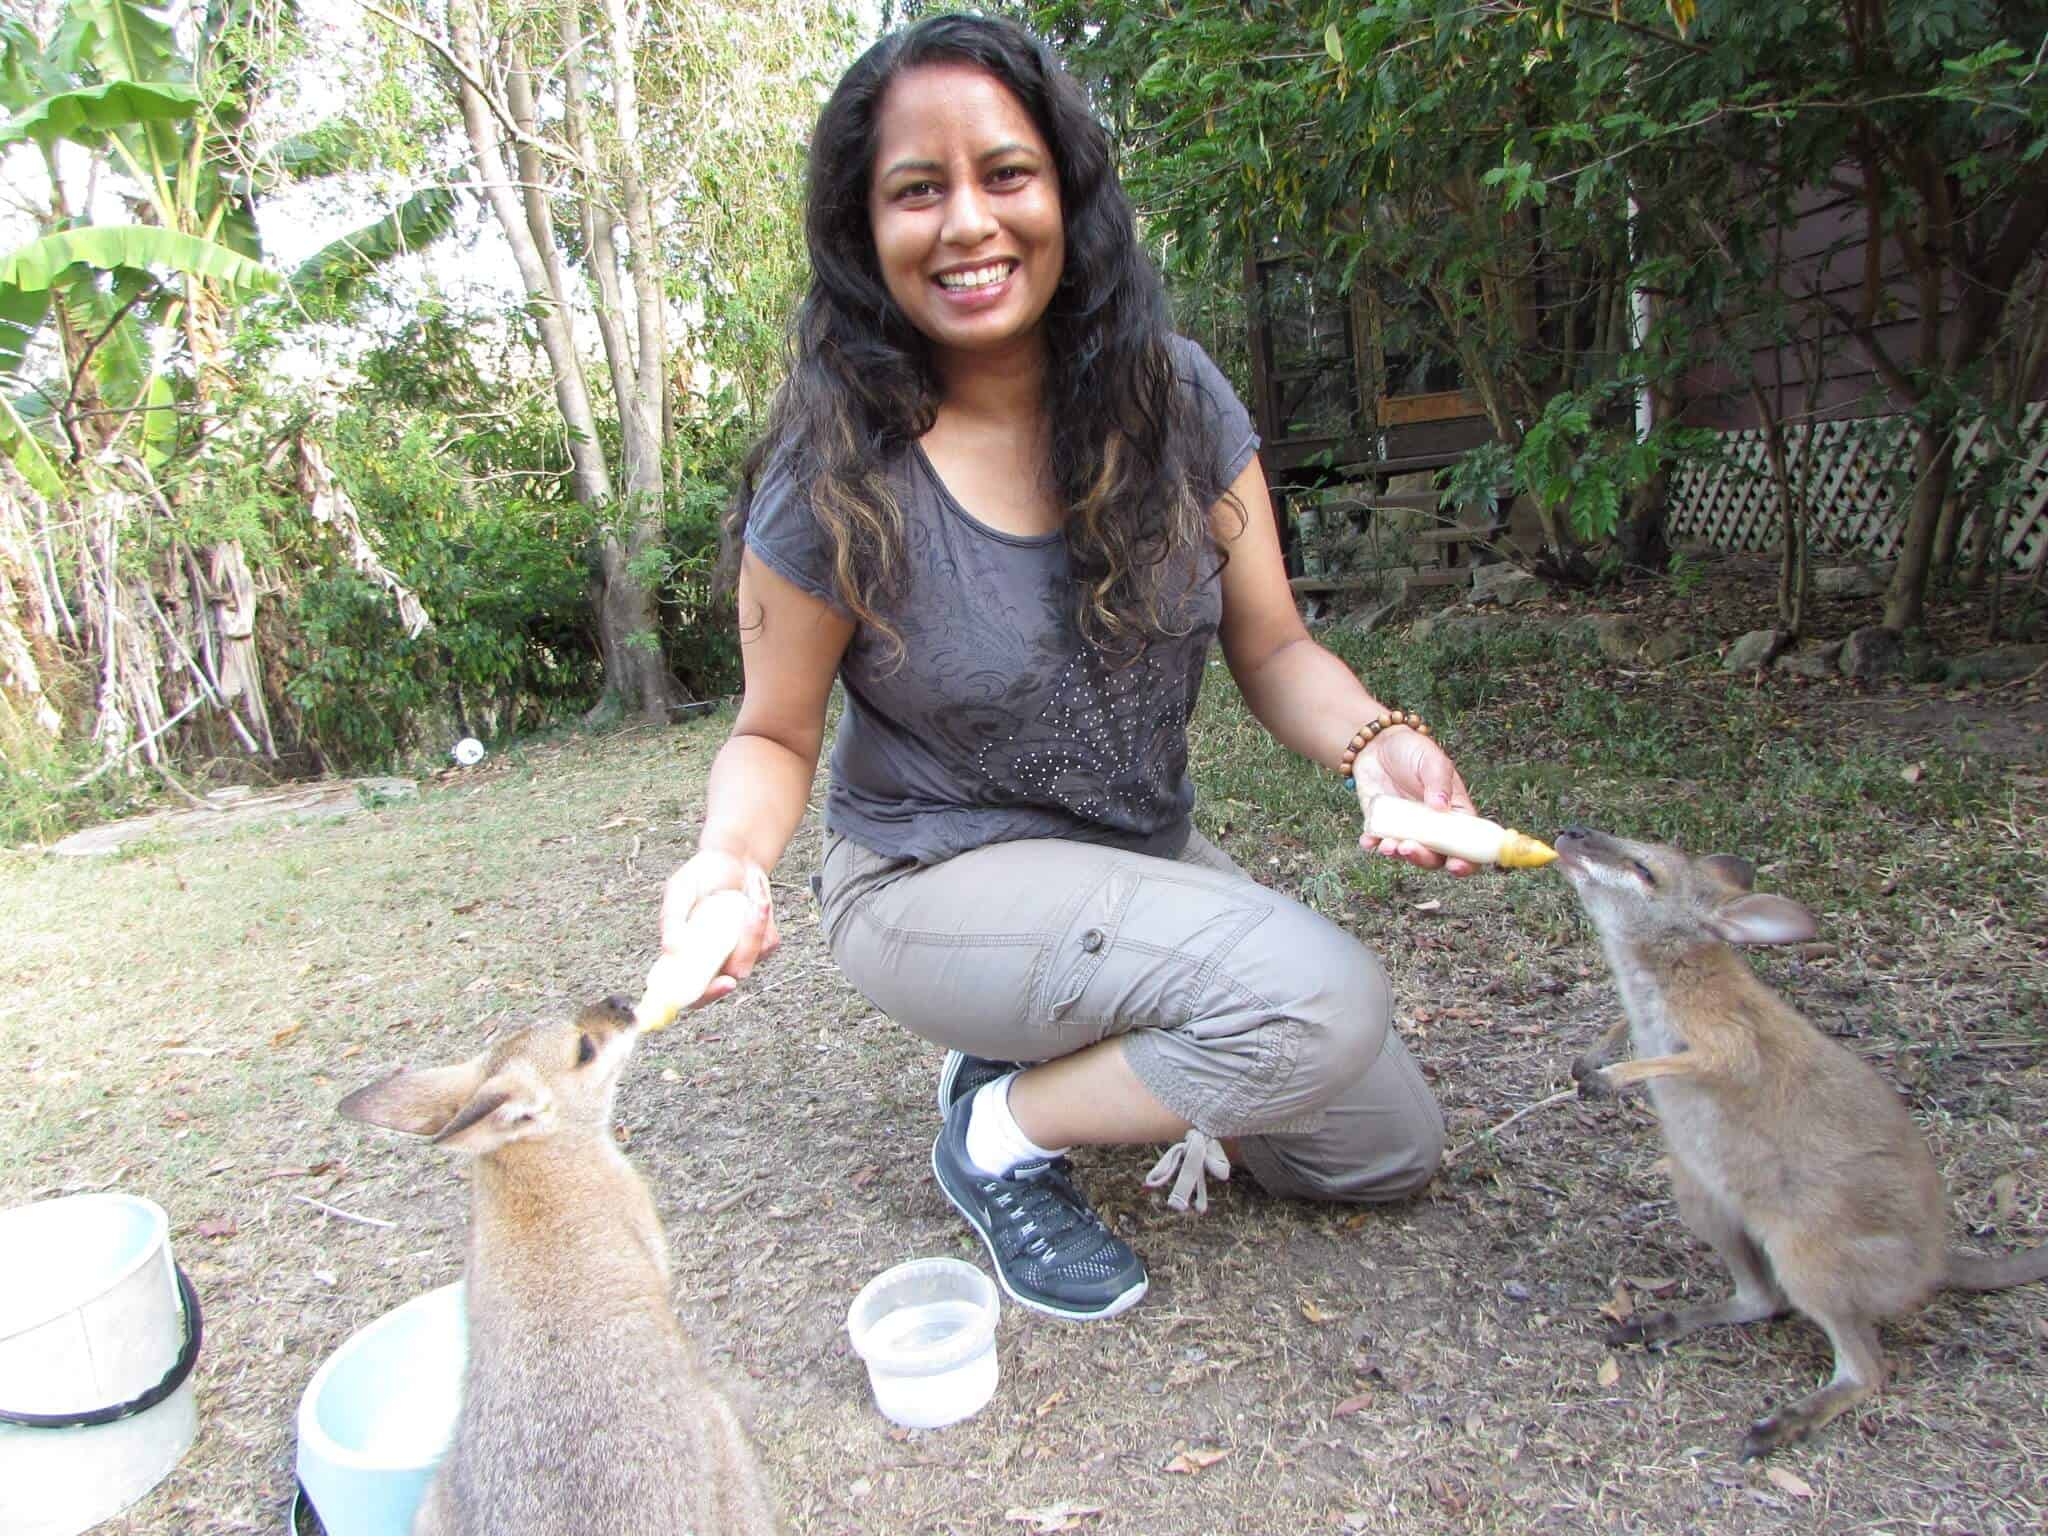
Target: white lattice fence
[{"x": 1859, "y": 479}]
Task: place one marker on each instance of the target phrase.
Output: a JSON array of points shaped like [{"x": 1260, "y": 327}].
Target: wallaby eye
[
  {"x": 586, "y": 1051},
  {"x": 1644, "y": 870}
]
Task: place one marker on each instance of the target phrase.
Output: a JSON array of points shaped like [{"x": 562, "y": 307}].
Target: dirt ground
[{"x": 180, "y": 1020}]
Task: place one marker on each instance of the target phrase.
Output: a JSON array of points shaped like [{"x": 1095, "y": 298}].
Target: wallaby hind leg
[
  {"x": 1757, "y": 1293},
  {"x": 1859, "y": 1372}
]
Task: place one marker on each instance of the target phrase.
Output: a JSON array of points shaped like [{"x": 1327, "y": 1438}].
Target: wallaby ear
[
  {"x": 418, "y": 1102},
  {"x": 1763, "y": 919},
  {"x": 1739, "y": 873},
  {"x": 511, "y": 1104}
]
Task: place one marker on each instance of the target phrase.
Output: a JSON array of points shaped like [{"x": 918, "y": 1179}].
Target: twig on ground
[
  {"x": 335, "y": 1210},
  {"x": 1527, "y": 1109},
  {"x": 2018, "y": 681}
]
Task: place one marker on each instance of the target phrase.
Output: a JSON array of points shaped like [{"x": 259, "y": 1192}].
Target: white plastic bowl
[
  {"x": 927, "y": 1330},
  {"x": 379, "y": 1414},
  {"x": 90, "y": 1317}
]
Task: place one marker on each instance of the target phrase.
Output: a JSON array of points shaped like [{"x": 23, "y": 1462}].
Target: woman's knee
[{"x": 1341, "y": 1018}]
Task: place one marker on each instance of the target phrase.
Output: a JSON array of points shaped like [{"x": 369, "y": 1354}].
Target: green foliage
[
  {"x": 88, "y": 114},
  {"x": 336, "y": 274},
  {"x": 1526, "y": 167}
]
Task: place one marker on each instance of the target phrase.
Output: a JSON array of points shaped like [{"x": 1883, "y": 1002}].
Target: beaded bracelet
[{"x": 1369, "y": 732}]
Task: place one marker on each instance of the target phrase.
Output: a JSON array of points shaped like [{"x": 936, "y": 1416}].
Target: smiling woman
[
  {"x": 965, "y": 210},
  {"x": 1004, "y": 505}
]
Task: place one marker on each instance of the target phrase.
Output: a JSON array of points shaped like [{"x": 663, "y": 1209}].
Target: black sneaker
[
  {"x": 1051, "y": 1251},
  {"x": 963, "y": 1074}
]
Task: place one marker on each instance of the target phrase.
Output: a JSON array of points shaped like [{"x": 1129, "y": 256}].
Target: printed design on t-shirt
[{"x": 1108, "y": 745}]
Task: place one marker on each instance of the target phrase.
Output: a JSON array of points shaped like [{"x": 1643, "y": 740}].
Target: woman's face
[{"x": 964, "y": 202}]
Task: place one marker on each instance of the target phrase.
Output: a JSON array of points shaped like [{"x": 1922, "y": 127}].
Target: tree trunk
[
  {"x": 1905, "y": 600},
  {"x": 1642, "y": 537},
  {"x": 589, "y": 477},
  {"x": 628, "y": 620}
]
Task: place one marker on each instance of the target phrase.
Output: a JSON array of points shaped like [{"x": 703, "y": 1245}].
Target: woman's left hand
[{"x": 1412, "y": 766}]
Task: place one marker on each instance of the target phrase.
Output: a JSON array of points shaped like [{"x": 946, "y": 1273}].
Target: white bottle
[{"x": 1454, "y": 834}]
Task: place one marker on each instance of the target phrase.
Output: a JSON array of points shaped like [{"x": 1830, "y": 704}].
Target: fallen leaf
[
  {"x": 1652, "y": 1285},
  {"x": 1790, "y": 1482},
  {"x": 351, "y": 1050},
  {"x": 1194, "y": 1460},
  {"x": 1447, "y": 1493},
  {"x": 1055, "y": 1517},
  {"x": 175, "y": 1116},
  {"x": 1428, "y": 906},
  {"x": 2005, "y": 1196},
  {"x": 1622, "y": 1306},
  {"x": 1351, "y": 1405},
  {"x": 1313, "y": 1313},
  {"x": 216, "y": 1226},
  {"x": 1911, "y": 773},
  {"x": 1049, "y": 1404},
  {"x": 866, "y": 1176},
  {"x": 287, "y": 1032},
  {"x": 1609, "y": 1372}
]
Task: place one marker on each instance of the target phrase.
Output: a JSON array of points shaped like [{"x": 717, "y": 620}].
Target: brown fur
[
  {"x": 585, "y": 1409},
  {"x": 1789, "y": 1154}
]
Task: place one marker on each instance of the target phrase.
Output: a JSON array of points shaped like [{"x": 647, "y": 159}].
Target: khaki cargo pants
[{"x": 1244, "y": 1012}]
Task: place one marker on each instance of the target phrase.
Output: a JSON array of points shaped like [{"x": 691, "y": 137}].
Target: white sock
[{"x": 994, "y": 1143}]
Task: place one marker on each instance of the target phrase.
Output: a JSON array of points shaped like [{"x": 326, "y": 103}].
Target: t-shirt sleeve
[
  {"x": 1231, "y": 440},
  {"x": 785, "y": 536}
]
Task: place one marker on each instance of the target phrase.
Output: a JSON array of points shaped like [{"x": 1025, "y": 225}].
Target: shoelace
[
  {"x": 1051, "y": 1210},
  {"x": 1190, "y": 1163}
]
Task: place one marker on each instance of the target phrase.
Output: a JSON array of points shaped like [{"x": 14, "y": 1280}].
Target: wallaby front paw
[
  {"x": 1788, "y": 1426},
  {"x": 1589, "y": 1072},
  {"x": 1651, "y": 1329}
]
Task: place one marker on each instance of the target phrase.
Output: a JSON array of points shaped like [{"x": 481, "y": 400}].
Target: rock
[
  {"x": 1851, "y": 580},
  {"x": 2000, "y": 665},
  {"x": 1618, "y": 637},
  {"x": 1504, "y": 584},
  {"x": 1753, "y": 652},
  {"x": 238, "y": 806},
  {"x": 1817, "y": 660},
  {"x": 1675, "y": 645},
  {"x": 1872, "y": 652}
]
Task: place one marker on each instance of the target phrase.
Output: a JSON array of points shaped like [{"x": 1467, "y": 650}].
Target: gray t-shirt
[{"x": 1000, "y": 721}]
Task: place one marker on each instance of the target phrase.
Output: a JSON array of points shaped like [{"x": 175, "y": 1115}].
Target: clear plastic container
[{"x": 927, "y": 1330}]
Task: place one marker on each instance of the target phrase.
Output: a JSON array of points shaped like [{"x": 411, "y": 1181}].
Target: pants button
[{"x": 1092, "y": 940}]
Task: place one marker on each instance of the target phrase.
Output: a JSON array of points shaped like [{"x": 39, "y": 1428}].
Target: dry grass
[{"x": 181, "y": 1022}]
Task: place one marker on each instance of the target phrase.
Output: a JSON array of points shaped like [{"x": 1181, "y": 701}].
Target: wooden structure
[
  {"x": 1347, "y": 394},
  {"x": 1348, "y": 391},
  {"x": 1340, "y": 384}
]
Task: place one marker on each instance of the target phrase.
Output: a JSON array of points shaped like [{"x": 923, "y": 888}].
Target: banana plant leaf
[
  {"x": 21, "y": 449},
  {"x": 337, "y": 271},
  {"x": 109, "y": 247},
  {"x": 88, "y": 115}
]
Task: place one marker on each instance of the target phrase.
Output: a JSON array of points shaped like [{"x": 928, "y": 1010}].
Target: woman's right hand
[{"x": 711, "y": 870}]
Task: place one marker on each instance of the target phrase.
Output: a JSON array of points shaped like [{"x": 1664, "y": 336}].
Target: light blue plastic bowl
[{"x": 379, "y": 1413}]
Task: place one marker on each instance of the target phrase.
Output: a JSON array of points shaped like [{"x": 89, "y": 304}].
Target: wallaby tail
[{"x": 1967, "y": 1272}]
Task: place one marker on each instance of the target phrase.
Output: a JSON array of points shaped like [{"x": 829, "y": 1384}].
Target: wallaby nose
[{"x": 620, "y": 1008}]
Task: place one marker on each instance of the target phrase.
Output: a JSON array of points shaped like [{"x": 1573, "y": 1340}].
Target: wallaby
[
  {"x": 584, "y": 1407},
  {"x": 1789, "y": 1154}
]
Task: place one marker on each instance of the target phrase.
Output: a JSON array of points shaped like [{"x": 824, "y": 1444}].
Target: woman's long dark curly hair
[{"x": 862, "y": 386}]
